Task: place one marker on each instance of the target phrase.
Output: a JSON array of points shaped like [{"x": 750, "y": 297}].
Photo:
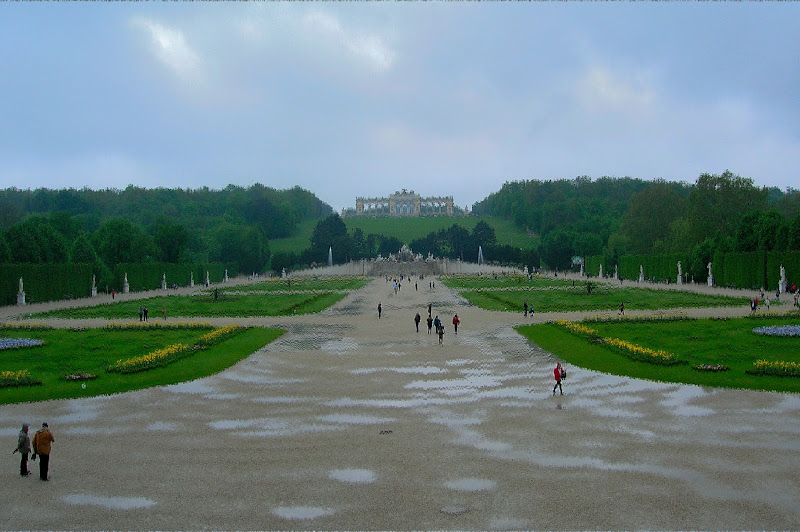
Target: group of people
[
  {"x": 40, "y": 448},
  {"x": 143, "y": 313}
]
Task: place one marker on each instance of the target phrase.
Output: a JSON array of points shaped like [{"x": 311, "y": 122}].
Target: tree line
[
  {"x": 108, "y": 227},
  {"x": 615, "y": 217}
]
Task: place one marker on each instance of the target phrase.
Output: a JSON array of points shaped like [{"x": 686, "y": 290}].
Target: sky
[{"x": 349, "y": 99}]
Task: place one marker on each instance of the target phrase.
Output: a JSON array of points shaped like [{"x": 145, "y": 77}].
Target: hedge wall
[
  {"x": 44, "y": 282},
  {"x": 748, "y": 270},
  {"x": 148, "y": 276},
  {"x": 655, "y": 267}
]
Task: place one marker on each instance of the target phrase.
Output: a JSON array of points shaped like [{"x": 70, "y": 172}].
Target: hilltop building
[{"x": 403, "y": 204}]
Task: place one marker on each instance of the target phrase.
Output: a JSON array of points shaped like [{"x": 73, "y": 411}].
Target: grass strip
[
  {"x": 712, "y": 343},
  {"x": 91, "y": 351}
]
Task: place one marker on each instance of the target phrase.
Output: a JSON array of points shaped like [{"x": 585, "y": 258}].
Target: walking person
[
  {"x": 416, "y": 321},
  {"x": 456, "y": 321},
  {"x": 24, "y": 449},
  {"x": 525, "y": 308},
  {"x": 41, "y": 447},
  {"x": 440, "y": 332},
  {"x": 622, "y": 308},
  {"x": 430, "y": 323},
  {"x": 380, "y": 309},
  {"x": 559, "y": 374}
]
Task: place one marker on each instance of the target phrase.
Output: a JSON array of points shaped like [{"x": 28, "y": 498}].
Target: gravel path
[{"x": 351, "y": 422}]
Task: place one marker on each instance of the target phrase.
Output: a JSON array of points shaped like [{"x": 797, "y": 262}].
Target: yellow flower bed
[
  {"x": 216, "y": 334},
  {"x": 633, "y": 351},
  {"x": 16, "y": 378},
  {"x": 642, "y": 353},
  {"x": 150, "y": 360},
  {"x": 777, "y": 367},
  {"x": 576, "y": 327},
  {"x": 139, "y": 325}
]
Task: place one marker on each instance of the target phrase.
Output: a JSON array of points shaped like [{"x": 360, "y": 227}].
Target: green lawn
[
  {"x": 509, "y": 293},
  {"x": 704, "y": 341},
  {"x": 301, "y": 284},
  {"x": 69, "y": 351},
  {"x": 205, "y": 305}
]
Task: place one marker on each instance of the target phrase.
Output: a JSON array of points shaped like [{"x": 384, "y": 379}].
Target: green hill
[{"x": 408, "y": 229}]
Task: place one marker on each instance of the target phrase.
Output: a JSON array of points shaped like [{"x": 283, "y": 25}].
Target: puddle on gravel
[
  {"x": 353, "y": 476},
  {"x": 352, "y": 419},
  {"x": 302, "y": 512},
  {"x": 113, "y": 503},
  {"x": 423, "y": 370},
  {"x": 471, "y": 484}
]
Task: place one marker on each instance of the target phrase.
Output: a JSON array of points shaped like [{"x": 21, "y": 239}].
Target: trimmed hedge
[
  {"x": 44, "y": 282},
  {"x": 148, "y": 276},
  {"x": 750, "y": 270}
]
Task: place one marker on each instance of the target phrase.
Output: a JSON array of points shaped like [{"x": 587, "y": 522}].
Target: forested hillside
[
  {"x": 136, "y": 225},
  {"x": 624, "y": 216}
]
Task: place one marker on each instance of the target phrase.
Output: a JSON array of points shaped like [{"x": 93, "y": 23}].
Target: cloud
[
  {"x": 368, "y": 48},
  {"x": 170, "y": 48},
  {"x": 601, "y": 90}
]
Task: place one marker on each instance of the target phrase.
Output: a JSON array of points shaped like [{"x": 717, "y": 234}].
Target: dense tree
[
  {"x": 5, "y": 252},
  {"x": 330, "y": 234},
  {"x": 557, "y": 248},
  {"x": 36, "y": 241},
  {"x": 649, "y": 217},
  {"x": 717, "y": 203},
  {"x": 171, "y": 239},
  {"x": 119, "y": 241}
]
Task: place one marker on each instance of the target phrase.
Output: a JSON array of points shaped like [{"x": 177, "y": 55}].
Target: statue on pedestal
[
  {"x": 680, "y": 273},
  {"x": 20, "y": 294},
  {"x": 710, "y": 275},
  {"x": 125, "y": 286}
]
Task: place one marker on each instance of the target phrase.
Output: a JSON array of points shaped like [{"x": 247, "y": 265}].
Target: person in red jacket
[
  {"x": 456, "y": 321},
  {"x": 558, "y": 373}
]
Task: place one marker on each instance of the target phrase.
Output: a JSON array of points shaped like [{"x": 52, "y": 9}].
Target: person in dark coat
[{"x": 24, "y": 449}]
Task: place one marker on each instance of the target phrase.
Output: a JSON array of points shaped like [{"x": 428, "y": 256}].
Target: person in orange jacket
[{"x": 41, "y": 447}]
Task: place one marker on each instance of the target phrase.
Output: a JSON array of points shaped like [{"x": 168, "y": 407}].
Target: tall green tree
[
  {"x": 171, "y": 239},
  {"x": 120, "y": 241}
]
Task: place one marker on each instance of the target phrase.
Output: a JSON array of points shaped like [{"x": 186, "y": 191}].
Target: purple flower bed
[
  {"x": 779, "y": 330},
  {"x": 19, "y": 343}
]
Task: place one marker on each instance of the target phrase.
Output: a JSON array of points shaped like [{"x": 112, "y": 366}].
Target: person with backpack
[{"x": 559, "y": 374}]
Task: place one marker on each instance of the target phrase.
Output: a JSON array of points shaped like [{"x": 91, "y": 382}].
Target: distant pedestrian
[
  {"x": 558, "y": 374},
  {"x": 430, "y": 323},
  {"x": 416, "y": 321},
  {"x": 437, "y": 322},
  {"x": 146, "y": 312},
  {"x": 440, "y": 332},
  {"x": 141, "y": 314},
  {"x": 41, "y": 448},
  {"x": 164, "y": 312},
  {"x": 24, "y": 449},
  {"x": 525, "y": 308},
  {"x": 430, "y": 305},
  {"x": 113, "y": 293},
  {"x": 622, "y": 308},
  {"x": 415, "y": 287},
  {"x": 380, "y": 309},
  {"x": 767, "y": 302},
  {"x": 456, "y": 321}
]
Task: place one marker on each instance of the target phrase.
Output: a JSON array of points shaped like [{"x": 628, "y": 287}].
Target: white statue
[
  {"x": 710, "y": 275},
  {"x": 20, "y": 294},
  {"x": 641, "y": 273},
  {"x": 680, "y": 273},
  {"x": 782, "y": 285}
]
